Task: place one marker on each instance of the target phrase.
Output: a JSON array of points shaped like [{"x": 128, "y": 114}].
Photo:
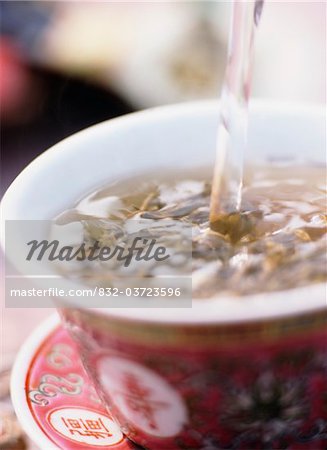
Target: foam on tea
[{"x": 277, "y": 241}]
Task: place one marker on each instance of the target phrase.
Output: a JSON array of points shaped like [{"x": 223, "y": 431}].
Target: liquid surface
[{"x": 277, "y": 241}]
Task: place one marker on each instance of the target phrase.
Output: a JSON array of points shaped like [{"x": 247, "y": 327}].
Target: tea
[{"x": 277, "y": 241}]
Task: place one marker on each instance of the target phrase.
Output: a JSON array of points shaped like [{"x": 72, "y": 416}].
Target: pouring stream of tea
[{"x": 232, "y": 131}]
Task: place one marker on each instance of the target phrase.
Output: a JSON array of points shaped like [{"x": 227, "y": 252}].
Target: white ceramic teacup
[{"x": 204, "y": 372}]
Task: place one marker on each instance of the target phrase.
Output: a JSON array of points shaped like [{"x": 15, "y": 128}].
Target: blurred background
[{"x": 67, "y": 65}]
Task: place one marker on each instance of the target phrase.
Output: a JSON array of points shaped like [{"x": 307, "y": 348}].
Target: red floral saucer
[{"x": 54, "y": 398}]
